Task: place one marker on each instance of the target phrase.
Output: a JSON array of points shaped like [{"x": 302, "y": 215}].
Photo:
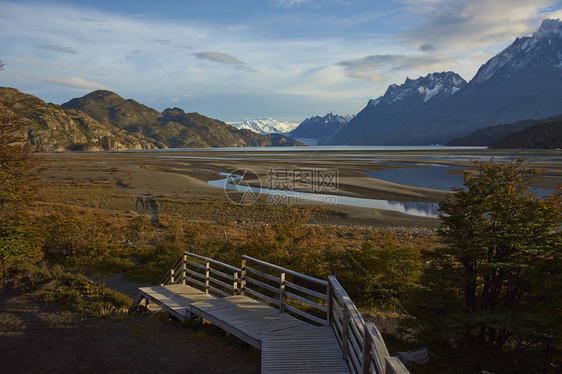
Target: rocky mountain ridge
[
  {"x": 102, "y": 120},
  {"x": 522, "y": 81}
]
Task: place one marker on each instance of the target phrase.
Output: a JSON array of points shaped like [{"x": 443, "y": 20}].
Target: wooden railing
[
  {"x": 361, "y": 342},
  {"x": 314, "y": 300},
  {"x": 211, "y": 276},
  {"x": 292, "y": 292}
]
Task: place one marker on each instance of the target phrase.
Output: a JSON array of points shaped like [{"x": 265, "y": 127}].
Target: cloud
[
  {"x": 464, "y": 25},
  {"x": 57, "y": 48},
  {"x": 223, "y": 58},
  {"x": 292, "y": 3},
  {"x": 73, "y": 82},
  {"x": 218, "y": 57},
  {"x": 427, "y": 47},
  {"x": 365, "y": 67}
]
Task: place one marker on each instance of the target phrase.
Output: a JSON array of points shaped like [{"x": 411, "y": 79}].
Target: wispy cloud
[
  {"x": 72, "y": 82},
  {"x": 306, "y": 56},
  {"x": 292, "y": 3},
  {"x": 57, "y": 48},
  {"x": 364, "y": 68},
  {"x": 463, "y": 25},
  {"x": 222, "y": 58}
]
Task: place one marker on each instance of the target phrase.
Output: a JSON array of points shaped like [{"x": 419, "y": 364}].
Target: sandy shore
[{"x": 183, "y": 175}]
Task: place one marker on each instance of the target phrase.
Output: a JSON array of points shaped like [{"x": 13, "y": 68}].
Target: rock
[{"x": 418, "y": 357}]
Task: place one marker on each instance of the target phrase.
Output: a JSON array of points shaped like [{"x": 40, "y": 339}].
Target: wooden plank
[
  {"x": 218, "y": 291},
  {"x": 207, "y": 259},
  {"x": 195, "y": 264},
  {"x": 224, "y": 275},
  {"x": 366, "y": 354},
  {"x": 263, "y": 275},
  {"x": 195, "y": 274},
  {"x": 305, "y": 301},
  {"x": 395, "y": 366},
  {"x": 297, "y": 351},
  {"x": 226, "y": 326},
  {"x": 191, "y": 280},
  {"x": 310, "y": 317},
  {"x": 261, "y": 296},
  {"x": 306, "y": 290},
  {"x": 221, "y": 283},
  {"x": 288, "y": 271},
  {"x": 263, "y": 285}
]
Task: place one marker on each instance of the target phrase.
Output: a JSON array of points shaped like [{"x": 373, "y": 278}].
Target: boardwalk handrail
[
  {"x": 196, "y": 270},
  {"x": 361, "y": 343},
  {"x": 298, "y": 294}
]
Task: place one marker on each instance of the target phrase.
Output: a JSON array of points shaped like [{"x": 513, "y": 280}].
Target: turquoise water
[{"x": 410, "y": 208}]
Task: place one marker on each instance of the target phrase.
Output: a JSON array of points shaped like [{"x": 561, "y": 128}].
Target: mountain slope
[
  {"x": 319, "y": 128},
  {"x": 546, "y": 135},
  {"x": 488, "y": 135},
  {"x": 265, "y": 125},
  {"x": 102, "y": 120},
  {"x": 172, "y": 128},
  {"x": 522, "y": 81},
  {"x": 385, "y": 120},
  {"x": 50, "y": 127}
]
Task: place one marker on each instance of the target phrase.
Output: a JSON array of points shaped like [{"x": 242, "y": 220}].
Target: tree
[
  {"x": 495, "y": 286},
  {"x": 18, "y": 164}
]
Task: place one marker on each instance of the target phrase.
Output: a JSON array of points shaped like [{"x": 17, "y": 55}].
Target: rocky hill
[
  {"x": 320, "y": 128},
  {"x": 51, "y": 127},
  {"x": 522, "y": 81},
  {"x": 489, "y": 135},
  {"x": 545, "y": 135},
  {"x": 102, "y": 120}
]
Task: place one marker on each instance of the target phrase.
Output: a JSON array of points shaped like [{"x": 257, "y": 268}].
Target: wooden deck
[
  {"x": 301, "y": 324},
  {"x": 312, "y": 349},
  {"x": 302, "y": 350}
]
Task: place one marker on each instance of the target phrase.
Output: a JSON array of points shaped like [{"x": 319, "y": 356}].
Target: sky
[{"x": 234, "y": 59}]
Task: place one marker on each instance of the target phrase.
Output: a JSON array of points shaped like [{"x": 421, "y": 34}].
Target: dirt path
[{"x": 39, "y": 338}]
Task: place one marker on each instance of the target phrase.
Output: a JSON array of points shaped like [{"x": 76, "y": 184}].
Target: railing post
[
  {"x": 243, "y": 278},
  {"x": 282, "y": 291},
  {"x": 184, "y": 269},
  {"x": 172, "y": 278},
  {"x": 235, "y": 283},
  {"x": 366, "y": 355},
  {"x": 207, "y": 276},
  {"x": 345, "y": 333},
  {"x": 330, "y": 304}
]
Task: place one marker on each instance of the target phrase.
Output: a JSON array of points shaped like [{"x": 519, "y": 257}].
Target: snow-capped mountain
[
  {"x": 542, "y": 50},
  {"x": 319, "y": 128},
  {"x": 265, "y": 125},
  {"x": 424, "y": 88},
  {"x": 522, "y": 81}
]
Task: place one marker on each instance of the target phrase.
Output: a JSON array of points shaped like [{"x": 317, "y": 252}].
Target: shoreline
[{"x": 163, "y": 175}]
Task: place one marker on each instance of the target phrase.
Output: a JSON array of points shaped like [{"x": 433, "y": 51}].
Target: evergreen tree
[{"x": 495, "y": 286}]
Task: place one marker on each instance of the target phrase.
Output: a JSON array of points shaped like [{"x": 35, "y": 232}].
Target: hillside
[
  {"x": 546, "y": 135},
  {"x": 173, "y": 127},
  {"x": 488, "y": 135},
  {"x": 51, "y": 127},
  {"x": 102, "y": 120},
  {"x": 320, "y": 128},
  {"x": 522, "y": 81}
]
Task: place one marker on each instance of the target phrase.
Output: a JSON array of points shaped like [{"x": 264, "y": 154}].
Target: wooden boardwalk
[
  {"x": 258, "y": 324},
  {"x": 279, "y": 314}
]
